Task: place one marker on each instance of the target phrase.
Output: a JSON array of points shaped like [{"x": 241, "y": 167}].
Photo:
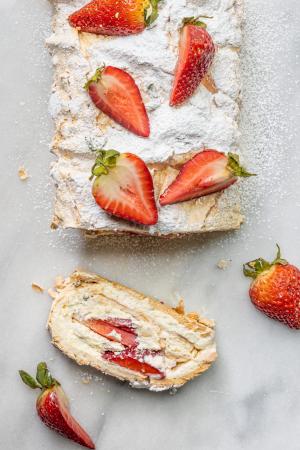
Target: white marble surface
[{"x": 250, "y": 398}]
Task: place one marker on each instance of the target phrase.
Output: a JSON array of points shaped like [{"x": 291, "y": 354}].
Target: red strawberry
[
  {"x": 196, "y": 53},
  {"x": 207, "y": 172},
  {"x": 115, "y": 17},
  {"x": 53, "y": 408},
  {"x": 275, "y": 289},
  {"x": 108, "y": 330},
  {"x": 124, "y": 187},
  {"x": 115, "y": 93},
  {"x": 134, "y": 360}
]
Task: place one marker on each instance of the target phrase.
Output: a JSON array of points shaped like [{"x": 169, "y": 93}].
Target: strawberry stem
[
  {"x": 254, "y": 268},
  {"x": 195, "y": 21},
  {"x": 96, "y": 77},
  {"x": 43, "y": 381},
  {"x": 105, "y": 160},
  {"x": 235, "y": 167},
  {"x": 151, "y": 13}
]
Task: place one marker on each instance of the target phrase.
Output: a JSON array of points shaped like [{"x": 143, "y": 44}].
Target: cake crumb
[
  {"x": 23, "y": 174},
  {"x": 37, "y": 288},
  {"x": 223, "y": 264},
  {"x": 180, "y": 307},
  {"x": 86, "y": 379}
]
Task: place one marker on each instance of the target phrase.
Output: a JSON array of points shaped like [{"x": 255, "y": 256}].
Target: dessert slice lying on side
[
  {"x": 128, "y": 335},
  {"x": 205, "y": 118}
]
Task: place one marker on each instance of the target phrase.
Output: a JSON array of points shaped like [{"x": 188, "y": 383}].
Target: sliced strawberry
[
  {"x": 115, "y": 18},
  {"x": 124, "y": 324},
  {"x": 196, "y": 53},
  {"x": 133, "y": 359},
  {"x": 53, "y": 408},
  {"x": 207, "y": 172},
  {"x": 116, "y": 94},
  {"x": 108, "y": 330},
  {"x": 124, "y": 187}
]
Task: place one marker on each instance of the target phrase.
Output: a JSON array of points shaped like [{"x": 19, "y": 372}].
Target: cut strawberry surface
[
  {"x": 53, "y": 407},
  {"x": 124, "y": 324},
  {"x": 112, "y": 332},
  {"x": 124, "y": 187},
  {"x": 196, "y": 53},
  {"x": 207, "y": 172},
  {"x": 116, "y": 94},
  {"x": 134, "y": 360},
  {"x": 115, "y": 17}
]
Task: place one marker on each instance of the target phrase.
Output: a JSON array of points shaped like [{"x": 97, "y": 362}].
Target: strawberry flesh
[
  {"x": 111, "y": 17},
  {"x": 116, "y": 94},
  {"x": 108, "y": 330},
  {"x": 127, "y": 191},
  {"x": 133, "y": 359},
  {"x": 196, "y": 53},
  {"x": 52, "y": 407},
  {"x": 204, "y": 174}
]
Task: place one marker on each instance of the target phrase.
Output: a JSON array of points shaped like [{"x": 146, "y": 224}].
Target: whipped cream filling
[{"x": 206, "y": 120}]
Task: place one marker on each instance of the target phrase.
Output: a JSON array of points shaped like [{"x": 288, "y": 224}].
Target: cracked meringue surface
[{"x": 205, "y": 121}]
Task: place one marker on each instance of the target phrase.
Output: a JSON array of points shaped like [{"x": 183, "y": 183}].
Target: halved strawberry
[
  {"x": 196, "y": 53},
  {"x": 133, "y": 359},
  {"x": 115, "y": 93},
  {"x": 115, "y": 17},
  {"x": 124, "y": 187},
  {"x": 53, "y": 407},
  {"x": 207, "y": 172},
  {"x": 109, "y": 330}
]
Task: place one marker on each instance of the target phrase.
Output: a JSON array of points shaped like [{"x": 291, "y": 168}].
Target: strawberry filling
[
  {"x": 117, "y": 330},
  {"x": 134, "y": 360}
]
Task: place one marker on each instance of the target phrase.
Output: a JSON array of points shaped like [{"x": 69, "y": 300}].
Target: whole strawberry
[
  {"x": 115, "y": 17},
  {"x": 275, "y": 289},
  {"x": 53, "y": 407},
  {"x": 196, "y": 53}
]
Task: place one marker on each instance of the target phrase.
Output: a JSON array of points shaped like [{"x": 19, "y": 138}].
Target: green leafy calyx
[
  {"x": 105, "y": 160},
  {"x": 151, "y": 12},
  {"x": 257, "y": 266},
  {"x": 43, "y": 381},
  {"x": 235, "y": 167},
  {"x": 195, "y": 21},
  {"x": 95, "y": 78}
]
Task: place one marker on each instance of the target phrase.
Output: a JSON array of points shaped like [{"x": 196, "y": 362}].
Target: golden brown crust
[{"x": 192, "y": 321}]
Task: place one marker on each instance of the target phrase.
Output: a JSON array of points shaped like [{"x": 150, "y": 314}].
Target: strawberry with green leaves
[
  {"x": 207, "y": 172},
  {"x": 196, "y": 54},
  {"x": 275, "y": 289},
  {"x": 115, "y": 17},
  {"x": 53, "y": 408},
  {"x": 123, "y": 187}
]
